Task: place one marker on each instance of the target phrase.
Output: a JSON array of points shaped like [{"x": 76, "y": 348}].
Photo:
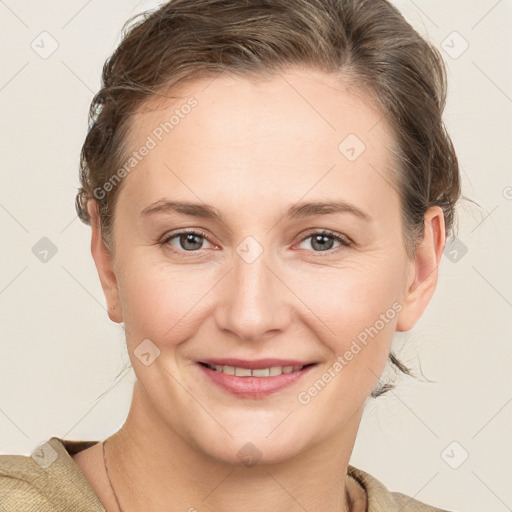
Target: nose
[{"x": 255, "y": 301}]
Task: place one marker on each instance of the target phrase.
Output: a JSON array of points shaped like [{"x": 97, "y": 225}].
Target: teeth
[
  {"x": 259, "y": 372},
  {"x": 228, "y": 369}
]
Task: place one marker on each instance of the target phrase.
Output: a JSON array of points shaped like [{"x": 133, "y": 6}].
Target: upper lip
[{"x": 255, "y": 363}]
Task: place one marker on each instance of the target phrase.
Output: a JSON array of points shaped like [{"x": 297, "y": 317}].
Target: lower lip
[{"x": 254, "y": 387}]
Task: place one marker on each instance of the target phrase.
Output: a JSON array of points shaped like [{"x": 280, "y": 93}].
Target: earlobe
[
  {"x": 424, "y": 270},
  {"x": 104, "y": 265}
]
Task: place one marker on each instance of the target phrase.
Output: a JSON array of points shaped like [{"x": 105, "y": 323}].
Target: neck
[{"x": 153, "y": 468}]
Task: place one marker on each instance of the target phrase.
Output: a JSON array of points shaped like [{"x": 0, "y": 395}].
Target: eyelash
[{"x": 343, "y": 240}]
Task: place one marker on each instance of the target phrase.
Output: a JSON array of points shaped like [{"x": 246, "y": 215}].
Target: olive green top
[{"x": 49, "y": 480}]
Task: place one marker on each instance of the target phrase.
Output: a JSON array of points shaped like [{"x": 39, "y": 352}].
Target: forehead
[{"x": 299, "y": 132}]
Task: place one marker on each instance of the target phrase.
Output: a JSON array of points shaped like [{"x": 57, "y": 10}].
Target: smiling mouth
[{"x": 272, "y": 371}]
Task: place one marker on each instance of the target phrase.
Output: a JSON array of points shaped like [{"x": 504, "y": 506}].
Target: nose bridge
[{"x": 254, "y": 300}]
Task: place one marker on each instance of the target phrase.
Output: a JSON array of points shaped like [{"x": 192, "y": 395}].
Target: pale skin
[{"x": 252, "y": 150}]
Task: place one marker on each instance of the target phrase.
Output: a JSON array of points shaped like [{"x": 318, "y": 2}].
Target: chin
[
  {"x": 252, "y": 446},
  {"x": 253, "y": 453}
]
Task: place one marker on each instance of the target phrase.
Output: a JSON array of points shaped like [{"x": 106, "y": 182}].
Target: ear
[
  {"x": 104, "y": 265},
  {"x": 423, "y": 272}
]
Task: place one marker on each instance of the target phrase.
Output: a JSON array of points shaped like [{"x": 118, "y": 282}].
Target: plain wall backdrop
[{"x": 447, "y": 443}]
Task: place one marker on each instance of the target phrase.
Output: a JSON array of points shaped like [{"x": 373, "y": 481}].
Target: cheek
[
  {"x": 351, "y": 298},
  {"x": 162, "y": 302},
  {"x": 360, "y": 316},
  {"x": 357, "y": 310}
]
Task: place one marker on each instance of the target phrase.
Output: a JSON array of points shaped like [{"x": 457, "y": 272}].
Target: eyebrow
[{"x": 300, "y": 210}]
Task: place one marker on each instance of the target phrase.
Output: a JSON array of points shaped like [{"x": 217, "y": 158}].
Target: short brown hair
[{"x": 367, "y": 42}]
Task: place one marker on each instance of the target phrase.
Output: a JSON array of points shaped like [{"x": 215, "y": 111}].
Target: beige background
[{"x": 61, "y": 356}]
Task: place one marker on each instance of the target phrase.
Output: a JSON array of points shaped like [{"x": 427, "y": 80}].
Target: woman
[{"x": 270, "y": 188}]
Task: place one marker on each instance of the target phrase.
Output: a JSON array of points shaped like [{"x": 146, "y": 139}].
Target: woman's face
[{"x": 259, "y": 280}]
